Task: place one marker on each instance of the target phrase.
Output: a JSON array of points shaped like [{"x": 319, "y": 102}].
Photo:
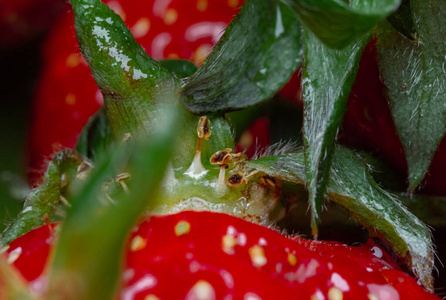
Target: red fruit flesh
[
  {"x": 29, "y": 253},
  {"x": 67, "y": 94},
  {"x": 182, "y": 256}
]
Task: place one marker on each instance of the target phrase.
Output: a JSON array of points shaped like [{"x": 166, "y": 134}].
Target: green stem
[
  {"x": 44, "y": 203},
  {"x": 129, "y": 79}
]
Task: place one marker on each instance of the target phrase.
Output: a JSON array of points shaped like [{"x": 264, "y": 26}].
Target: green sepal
[
  {"x": 337, "y": 23},
  {"x": 46, "y": 202},
  {"x": 96, "y": 136},
  {"x": 402, "y": 20},
  {"x": 255, "y": 57},
  {"x": 88, "y": 255},
  {"x": 352, "y": 186},
  {"x": 414, "y": 74},
  {"x": 327, "y": 78},
  {"x": 180, "y": 67},
  {"x": 129, "y": 79}
]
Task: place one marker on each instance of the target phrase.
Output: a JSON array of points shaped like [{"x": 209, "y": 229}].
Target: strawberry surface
[{"x": 216, "y": 256}]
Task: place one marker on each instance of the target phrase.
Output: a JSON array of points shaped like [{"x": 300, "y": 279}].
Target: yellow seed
[
  {"x": 138, "y": 243},
  {"x": 233, "y": 3},
  {"x": 72, "y": 60},
  {"x": 141, "y": 27},
  {"x": 70, "y": 99},
  {"x": 335, "y": 294},
  {"x": 201, "y": 53},
  {"x": 372, "y": 297},
  {"x": 257, "y": 254},
  {"x": 14, "y": 255},
  {"x": 182, "y": 228},
  {"x": 246, "y": 140},
  {"x": 173, "y": 56},
  {"x": 202, "y": 290},
  {"x": 202, "y": 5},
  {"x": 170, "y": 16},
  {"x": 151, "y": 297},
  {"x": 228, "y": 242},
  {"x": 292, "y": 259}
]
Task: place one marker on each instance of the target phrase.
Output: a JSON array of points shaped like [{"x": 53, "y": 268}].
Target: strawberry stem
[{"x": 49, "y": 199}]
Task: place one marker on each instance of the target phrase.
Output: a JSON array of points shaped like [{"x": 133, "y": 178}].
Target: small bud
[
  {"x": 204, "y": 128},
  {"x": 221, "y": 158},
  {"x": 236, "y": 179}
]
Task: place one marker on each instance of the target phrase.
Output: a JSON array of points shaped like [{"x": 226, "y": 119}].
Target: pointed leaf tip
[
  {"x": 338, "y": 23},
  {"x": 256, "y": 56},
  {"x": 414, "y": 74},
  {"x": 328, "y": 76}
]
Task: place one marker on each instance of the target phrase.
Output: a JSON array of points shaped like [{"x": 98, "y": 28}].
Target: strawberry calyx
[
  {"x": 149, "y": 108},
  {"x": 224, "y": 185},
  {"x": 48, "y": 202}
]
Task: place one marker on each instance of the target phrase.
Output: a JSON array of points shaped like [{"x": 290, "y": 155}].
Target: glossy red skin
[
  {"x": 168, "y": 265},
  {"x": 67, "y": 96},
  {"x": 21, "y": 20},
  {"x": 35, "y": 248}
]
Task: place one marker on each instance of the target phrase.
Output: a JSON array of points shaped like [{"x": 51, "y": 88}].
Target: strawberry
[
  {"x": 203, "y": 206},
  {"x": 67, "y": 96},
  {"x": 222, "y": 262}
]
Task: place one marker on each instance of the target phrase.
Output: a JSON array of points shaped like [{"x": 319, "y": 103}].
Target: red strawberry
[
  {"x": 67, "y": 94},
  {"x": 233, "y": 259}
]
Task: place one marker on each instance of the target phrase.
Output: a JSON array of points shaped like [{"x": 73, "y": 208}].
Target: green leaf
[
  {"x": 87, "y": 257},
  {"x": 43, "y": 203},
  {"x": 288, "y": 167},
  {"x": 255, "y": 57},
  {"x": 382, "y": 173},
  {"x": 402, "y": 20},
  {"x": 338, "y": 24},
  {"x": 352, "y": 186},
  {"x": 181, "y": 68},
  {"x": 327, "y": 79},
  {"x": 128, "y": 78},
  {"x": 414, "y": 73},
  {"x": 96, "y": 136}
]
